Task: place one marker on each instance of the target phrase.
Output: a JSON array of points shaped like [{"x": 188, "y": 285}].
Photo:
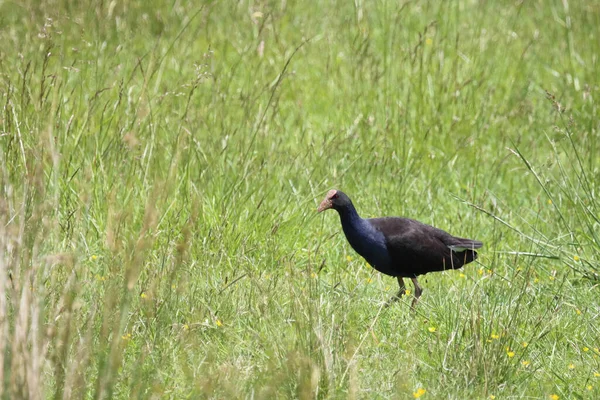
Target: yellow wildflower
[
  {"x": 431, "y": 329},
  {"x": 186, "y": 327},
  {"x": 126, "y": 336},
  {"x": 525, "y": 344},
  {"x": 349, "y": 258},
  {"x": 589, "y": 387},
  {"x": 429, "y": 41},
  {"x": 219, "y": 323},
  {"x": 93, "y": 258},
  {"x": 407, "y": 292},
  {"x": 420, "y": 392},
  {"x": 462, "y": 275},
  {"x": 549, "y": 202},
  {"x": 554, "y": 396},
  {"x": 313, "y": 275},
  {"x": 525, "y": 363},
  {"x": 586, "y": 349},
  {"x": 144, "y": 295},
  {"x": 369, "y": 280},
  {"x": 597, "y": 374},
  {"x": 576, "y": 258},
  {"x": 571, "y": 366},
  {"x": 510, "y": 353},
  {"x": 578, "y": 311},
  {"x": 492, "y": 397},
  {"x": 495, "y": 336}
]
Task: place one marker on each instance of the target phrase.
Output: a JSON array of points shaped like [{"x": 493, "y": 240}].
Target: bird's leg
[
  {"x": 400, "y": 292},
  {"x": 418, "y": 292}
]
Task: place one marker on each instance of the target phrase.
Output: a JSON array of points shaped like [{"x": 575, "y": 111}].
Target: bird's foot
[
  {"x": 395, "y": 298},
  {"x": 418, "y": 292},
  {"x": 413, "y": 305},
  {"x": 392, "y": 301}
]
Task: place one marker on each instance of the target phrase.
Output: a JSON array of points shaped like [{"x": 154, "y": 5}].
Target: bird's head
[{"x": 335, "y": 199}]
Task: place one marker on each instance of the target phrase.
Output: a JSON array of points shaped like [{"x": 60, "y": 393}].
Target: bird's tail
[
  {"x": 467, "y": 256},
  {"x": 459, "y": 244}
]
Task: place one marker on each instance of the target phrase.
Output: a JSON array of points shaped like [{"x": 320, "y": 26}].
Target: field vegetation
[{"x": 161, "y": 164}]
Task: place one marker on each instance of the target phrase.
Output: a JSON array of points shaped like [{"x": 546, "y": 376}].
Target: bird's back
[{"x": 415, "y": 248}]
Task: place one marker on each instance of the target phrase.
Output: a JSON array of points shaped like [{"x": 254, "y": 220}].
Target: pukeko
[{"x": 400, "y": 247}]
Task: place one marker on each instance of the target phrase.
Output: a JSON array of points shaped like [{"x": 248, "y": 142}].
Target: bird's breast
[{"x": 370, "y": 244}]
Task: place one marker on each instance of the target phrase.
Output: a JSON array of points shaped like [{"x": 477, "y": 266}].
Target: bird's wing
[
  {"x": 421, "y": 248},
  {"x": 459, "y": 244},
  {"x": 410, "y": 239}
]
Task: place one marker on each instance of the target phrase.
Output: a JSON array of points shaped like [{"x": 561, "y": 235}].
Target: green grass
[{"x": 161, "y": 165}]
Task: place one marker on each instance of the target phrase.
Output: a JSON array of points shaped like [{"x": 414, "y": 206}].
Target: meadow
[{"x": 161, "y": 164}]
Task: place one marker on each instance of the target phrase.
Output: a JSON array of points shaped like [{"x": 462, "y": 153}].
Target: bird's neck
[
  {"x": 364, "y": 238},
  {"x": 350, "y": 218}
]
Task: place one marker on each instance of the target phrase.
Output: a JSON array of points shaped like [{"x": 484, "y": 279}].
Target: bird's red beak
[{"x": 325, "y": 204}]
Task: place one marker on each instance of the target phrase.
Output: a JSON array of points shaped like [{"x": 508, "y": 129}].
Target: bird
[{"x": 400, "y": 247}]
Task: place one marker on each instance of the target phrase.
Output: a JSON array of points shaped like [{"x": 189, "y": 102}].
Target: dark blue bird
[{"x": 400, "y": 247}]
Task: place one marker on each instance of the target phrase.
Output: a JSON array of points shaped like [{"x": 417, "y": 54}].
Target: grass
[{"x": 161, "y": 164}]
